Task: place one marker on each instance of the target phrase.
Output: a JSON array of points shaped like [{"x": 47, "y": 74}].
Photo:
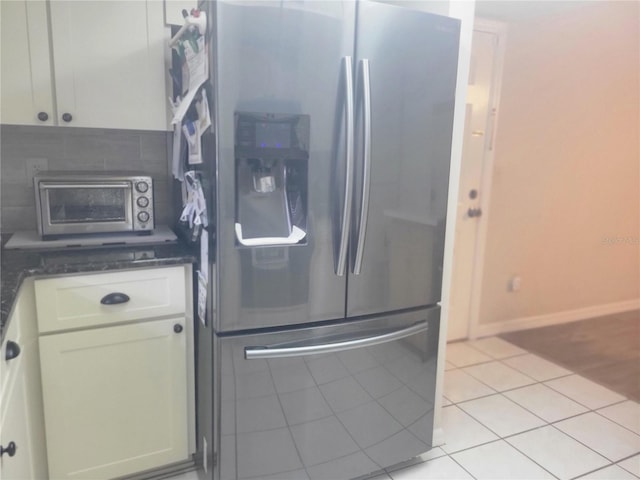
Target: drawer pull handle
[
  {"x": 115, "y": 298},
  {"x": 10, "y": 449},
  {"x": 12, "y": 351}
]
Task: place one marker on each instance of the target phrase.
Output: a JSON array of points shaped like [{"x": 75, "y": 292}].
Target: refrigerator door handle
[
  {"x": 346, "y": 210},
  {"x": 366, "y": 165},
  {"x": 265, "y": 352}
]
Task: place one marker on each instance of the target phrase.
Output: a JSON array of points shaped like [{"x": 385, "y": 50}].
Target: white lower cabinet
[
  {"x": 21, "y": 433},
  {"x": 15, "y": 462},
  {"x": 116, "y": 398}
]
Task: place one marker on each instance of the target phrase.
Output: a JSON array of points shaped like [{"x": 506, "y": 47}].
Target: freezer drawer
[{"x": 337, "y": 401}]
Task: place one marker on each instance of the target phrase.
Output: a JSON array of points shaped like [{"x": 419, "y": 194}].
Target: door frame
[{"x": 500, "y": 30}]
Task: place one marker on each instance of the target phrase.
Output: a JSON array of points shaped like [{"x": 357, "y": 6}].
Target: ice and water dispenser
[{"x": 271, "y": 155}]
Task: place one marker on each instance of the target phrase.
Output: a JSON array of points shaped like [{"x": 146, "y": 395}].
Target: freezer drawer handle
[{"x": 254, "y": 353}]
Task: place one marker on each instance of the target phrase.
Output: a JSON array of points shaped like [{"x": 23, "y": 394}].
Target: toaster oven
[{"x": 93, "y": 202}]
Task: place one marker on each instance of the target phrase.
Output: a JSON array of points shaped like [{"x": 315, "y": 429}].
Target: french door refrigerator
[{"x": 329, "y": 168}]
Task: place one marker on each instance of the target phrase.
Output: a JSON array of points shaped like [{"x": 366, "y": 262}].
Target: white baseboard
[{"x": 488, "y": 329}]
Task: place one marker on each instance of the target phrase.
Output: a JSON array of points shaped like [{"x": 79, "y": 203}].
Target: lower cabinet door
[
  {"x": 16, "y": 463},
  {"x": 115, "y": 399}
]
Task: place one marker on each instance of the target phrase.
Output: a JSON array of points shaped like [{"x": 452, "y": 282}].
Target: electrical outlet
[
  {"x": 33, "y": 166},
  {"x": 515, "y": 283}
]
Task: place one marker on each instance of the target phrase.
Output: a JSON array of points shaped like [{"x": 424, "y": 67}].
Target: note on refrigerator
[
  {"x": 204, "y": 116},
  {"x": 198, "y": 72},
  {"x": 192, "y": 133}
]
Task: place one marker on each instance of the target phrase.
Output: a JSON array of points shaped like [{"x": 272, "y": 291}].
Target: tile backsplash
[{"x": 74, "y": 149}]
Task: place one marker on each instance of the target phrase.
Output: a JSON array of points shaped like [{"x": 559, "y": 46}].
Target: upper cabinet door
[
  {"x": 109, "y": 66},
  {"x": 27, "y": 97},
  {"x": 398, "y": 227}
]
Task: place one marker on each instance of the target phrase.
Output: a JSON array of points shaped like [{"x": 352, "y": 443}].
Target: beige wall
[{"x": 566, "y": 167}]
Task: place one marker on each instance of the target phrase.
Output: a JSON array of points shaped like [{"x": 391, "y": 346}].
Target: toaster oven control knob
[
  {"x": 143, "y": 217},
  {"x": 142, "y": 187},
  {"x": 143, "y": 202}
]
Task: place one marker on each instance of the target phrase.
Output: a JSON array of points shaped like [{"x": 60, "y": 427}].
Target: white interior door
[{"x": 475, "y": 176}]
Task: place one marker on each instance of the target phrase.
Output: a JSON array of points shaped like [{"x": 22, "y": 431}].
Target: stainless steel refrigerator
[{"x": 329, "y": 169}]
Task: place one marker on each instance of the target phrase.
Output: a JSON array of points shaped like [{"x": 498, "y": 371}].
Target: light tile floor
[{"x": 509, "y": 414}]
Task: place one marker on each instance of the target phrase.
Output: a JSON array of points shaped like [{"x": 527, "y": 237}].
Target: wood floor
[{"x": 604, "y": 349}]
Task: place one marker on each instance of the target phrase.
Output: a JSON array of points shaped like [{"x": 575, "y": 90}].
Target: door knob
[
  {"x": 67, "y": 117},
  {"x": 473, "y": 194},
  {"x": 177, "y": 328},
  {"x": 43, "y": 116}
]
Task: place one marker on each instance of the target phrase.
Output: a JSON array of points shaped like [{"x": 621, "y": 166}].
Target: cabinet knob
[
  {"x": 115, "y": 298},
  {"x": 43, "y": 116},
  {"x": 177, "y": 328},
  {"x": 67, "y": 117},
  {"x": 12, "y": 350},
  {"x": 10, "y": 449}
]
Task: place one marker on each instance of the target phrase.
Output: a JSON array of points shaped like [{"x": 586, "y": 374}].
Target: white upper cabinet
[
  {"x": 105, "y": 63},
  {"x": 109, "y": 63},
  {"x": 26, "y": 82}
]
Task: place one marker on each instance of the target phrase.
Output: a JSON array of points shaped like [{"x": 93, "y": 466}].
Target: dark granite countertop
[{"x": 16, "y": 265}]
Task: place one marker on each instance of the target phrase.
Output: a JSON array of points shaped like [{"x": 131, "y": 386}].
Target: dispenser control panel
[
  {"x": 271, "y": 156},
  {"x": 272, "y": 131}
]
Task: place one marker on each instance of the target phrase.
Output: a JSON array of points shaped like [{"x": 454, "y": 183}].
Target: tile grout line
[
  {"x": 537, "y": 382},
  {"x": 611, "y": 462},
  {"x": 468, "y": 344},
  {"x": 596, "y": 470},
  {"x": 546, "y": 423},
  {"x": 624, "y": 460},
  {"x": 495, "y": 441},
  {"x": 462, "y": 466},
  {"x": 614, "y": 421},
  {"x": 552, "y": 424},
  {"x": 589, "y": 410},
  {"x": 587, "y": 406}
]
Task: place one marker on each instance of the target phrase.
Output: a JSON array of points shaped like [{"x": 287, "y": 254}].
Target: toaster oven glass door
[{"x": 85, "y": 208}]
